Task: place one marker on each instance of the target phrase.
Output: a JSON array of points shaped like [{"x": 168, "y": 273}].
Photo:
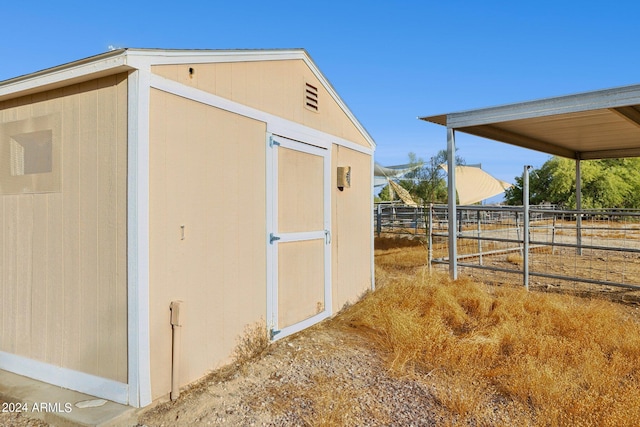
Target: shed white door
[{"x": 300, "y": 238}]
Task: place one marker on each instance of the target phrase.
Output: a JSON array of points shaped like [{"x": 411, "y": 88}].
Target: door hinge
[
  {"x": 327, "y": 236},
  {"x": 273, "y": 238},
  {"x": 273, "y": 333},
  {"x": 273, "y": 142}
]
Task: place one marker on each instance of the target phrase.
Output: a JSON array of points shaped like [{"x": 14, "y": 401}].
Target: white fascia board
[
  {"x": 64, "y": 75},
  {"x": 276, "y": 125},
  {"x": 67, "y": 378},
  {"x": 602, "y": 99},
  {"x": 174, "y": 57}
]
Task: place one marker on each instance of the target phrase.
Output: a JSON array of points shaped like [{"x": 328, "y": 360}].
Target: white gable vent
[{"x": 311, "y": 97}]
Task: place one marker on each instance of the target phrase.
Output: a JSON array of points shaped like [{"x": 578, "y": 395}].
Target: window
[{"x": 31, "y": 153}]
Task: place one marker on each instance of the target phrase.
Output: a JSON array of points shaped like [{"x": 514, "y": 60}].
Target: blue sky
[{"x": 390, "y": 61}]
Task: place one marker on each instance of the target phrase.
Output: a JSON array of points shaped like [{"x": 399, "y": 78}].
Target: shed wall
[
  {"x": 207, "y": 173},
  {"x": 277, "y": 87},
  {"x": 63, "y": 249},
  {"x": 352, "y": 228}
]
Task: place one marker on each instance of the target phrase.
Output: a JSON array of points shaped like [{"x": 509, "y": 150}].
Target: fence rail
[{"x": 593, "y": 247}]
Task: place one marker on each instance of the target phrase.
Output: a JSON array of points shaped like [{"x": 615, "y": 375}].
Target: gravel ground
[{"x": 322, "y": 376}]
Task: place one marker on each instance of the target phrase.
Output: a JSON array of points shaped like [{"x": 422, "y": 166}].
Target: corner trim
[{"x": 138, "y": 240}]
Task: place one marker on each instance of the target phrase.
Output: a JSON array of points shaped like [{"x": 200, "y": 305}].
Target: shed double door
[{"x": 299, "y": 237}]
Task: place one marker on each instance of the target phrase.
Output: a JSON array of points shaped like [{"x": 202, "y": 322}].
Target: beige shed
[{"x": 235, "y": 185}]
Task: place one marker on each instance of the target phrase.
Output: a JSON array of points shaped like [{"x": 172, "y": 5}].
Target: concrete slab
[{"x": 61, "y": 407}]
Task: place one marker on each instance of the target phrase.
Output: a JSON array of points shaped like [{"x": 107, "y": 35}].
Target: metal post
[
  {"x": 479, "y": 241},
  {"x": 525, "y": 237},
  {"x": 451, "y": 193},
  {"x": 430, "y": 237},
  {"x": 518, "y": 225},
  {"x": 379, "y": 220},
  {"x": 553, "y": 236},
  {"x": 578, "y": 207}
]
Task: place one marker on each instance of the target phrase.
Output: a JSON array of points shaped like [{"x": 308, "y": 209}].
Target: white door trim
[{"x": 274, "y": 238}]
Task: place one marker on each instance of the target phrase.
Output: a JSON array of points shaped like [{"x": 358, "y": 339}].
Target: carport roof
[{"x": 592, "y": 125}]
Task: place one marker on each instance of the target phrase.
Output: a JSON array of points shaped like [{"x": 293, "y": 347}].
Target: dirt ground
[{"x": 326, "y": 362}]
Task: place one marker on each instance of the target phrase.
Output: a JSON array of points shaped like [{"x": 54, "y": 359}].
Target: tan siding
[
  {"x": 207, "y": 173},
  {"x": 64, "y": 297},
  {"x": 300, "y": 281},
  {"x": 276, "y": 87},
  {"x": 71, "y": 231},
  {"x": 352, "y": 210},
  {"x": 40, "y": 266},
  {"x": 300, "y": 195},
  {"x": 120, "y": 343},
  {"x": 55, "y": 277},
  {"x": 39, "y": 289},
  {"x": 24, "y": 271},
  {"x": 88, "y": 216},
  {"x": 10, "y": 301}
]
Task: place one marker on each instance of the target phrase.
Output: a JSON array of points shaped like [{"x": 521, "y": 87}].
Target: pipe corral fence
[{"x": 497, "y": 243}]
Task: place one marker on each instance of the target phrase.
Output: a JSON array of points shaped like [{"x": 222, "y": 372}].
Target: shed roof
[
  {"x": 591, "y": 125},
  {"x": 129, "y": 59}
]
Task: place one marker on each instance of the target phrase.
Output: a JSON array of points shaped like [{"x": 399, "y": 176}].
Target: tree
[
  {"x": 426, "y": 183},
  {"x": 610, "y": 183},
  {"x": 429, "y": 179}
]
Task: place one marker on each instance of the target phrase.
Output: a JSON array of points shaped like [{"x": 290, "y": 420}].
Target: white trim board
[
  {"x": 67, "y": 378},
  {"x": 64, "y": 75},
  {"x": 271, "y": 194},
  {"x": 138, "y": 358},
  {"x": 193, "y": 56},
  {"x": 276, "y": 125}
]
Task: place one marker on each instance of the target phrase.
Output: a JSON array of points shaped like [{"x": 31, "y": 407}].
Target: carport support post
[
  {"x": 525, "y": 227},
  {"x": 578, "y": 206},
  {"x": 451, "y": 194}
]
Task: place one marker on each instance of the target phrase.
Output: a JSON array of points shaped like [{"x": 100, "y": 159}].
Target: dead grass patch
[
  {"x": 550, "y": 359},
  {"x": 252, "y": 344}
]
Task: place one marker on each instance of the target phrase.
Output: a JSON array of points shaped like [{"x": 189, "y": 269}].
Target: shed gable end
[{"x": 284, "y": 88}]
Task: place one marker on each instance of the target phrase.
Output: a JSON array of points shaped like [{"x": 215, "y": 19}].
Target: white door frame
[{"x": 274, "y": 238}]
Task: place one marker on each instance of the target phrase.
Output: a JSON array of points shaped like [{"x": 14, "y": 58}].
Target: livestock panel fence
[{"x": 554, "y": 248}]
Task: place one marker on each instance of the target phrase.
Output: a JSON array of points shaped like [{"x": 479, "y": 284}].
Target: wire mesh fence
[{"x": 582, "y": 249}]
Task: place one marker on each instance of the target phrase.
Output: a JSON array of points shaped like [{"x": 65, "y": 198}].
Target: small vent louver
[{"x": 311, "y": 97}]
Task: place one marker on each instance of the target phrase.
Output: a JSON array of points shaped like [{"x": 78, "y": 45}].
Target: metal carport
[{"x": 592, "y": 125}]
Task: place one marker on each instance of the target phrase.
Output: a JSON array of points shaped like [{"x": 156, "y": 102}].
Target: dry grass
[
  {"x": 515, "y": 258},
  {"x": 252, "y": 344},
  {"x": 531, "y": 358}
]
